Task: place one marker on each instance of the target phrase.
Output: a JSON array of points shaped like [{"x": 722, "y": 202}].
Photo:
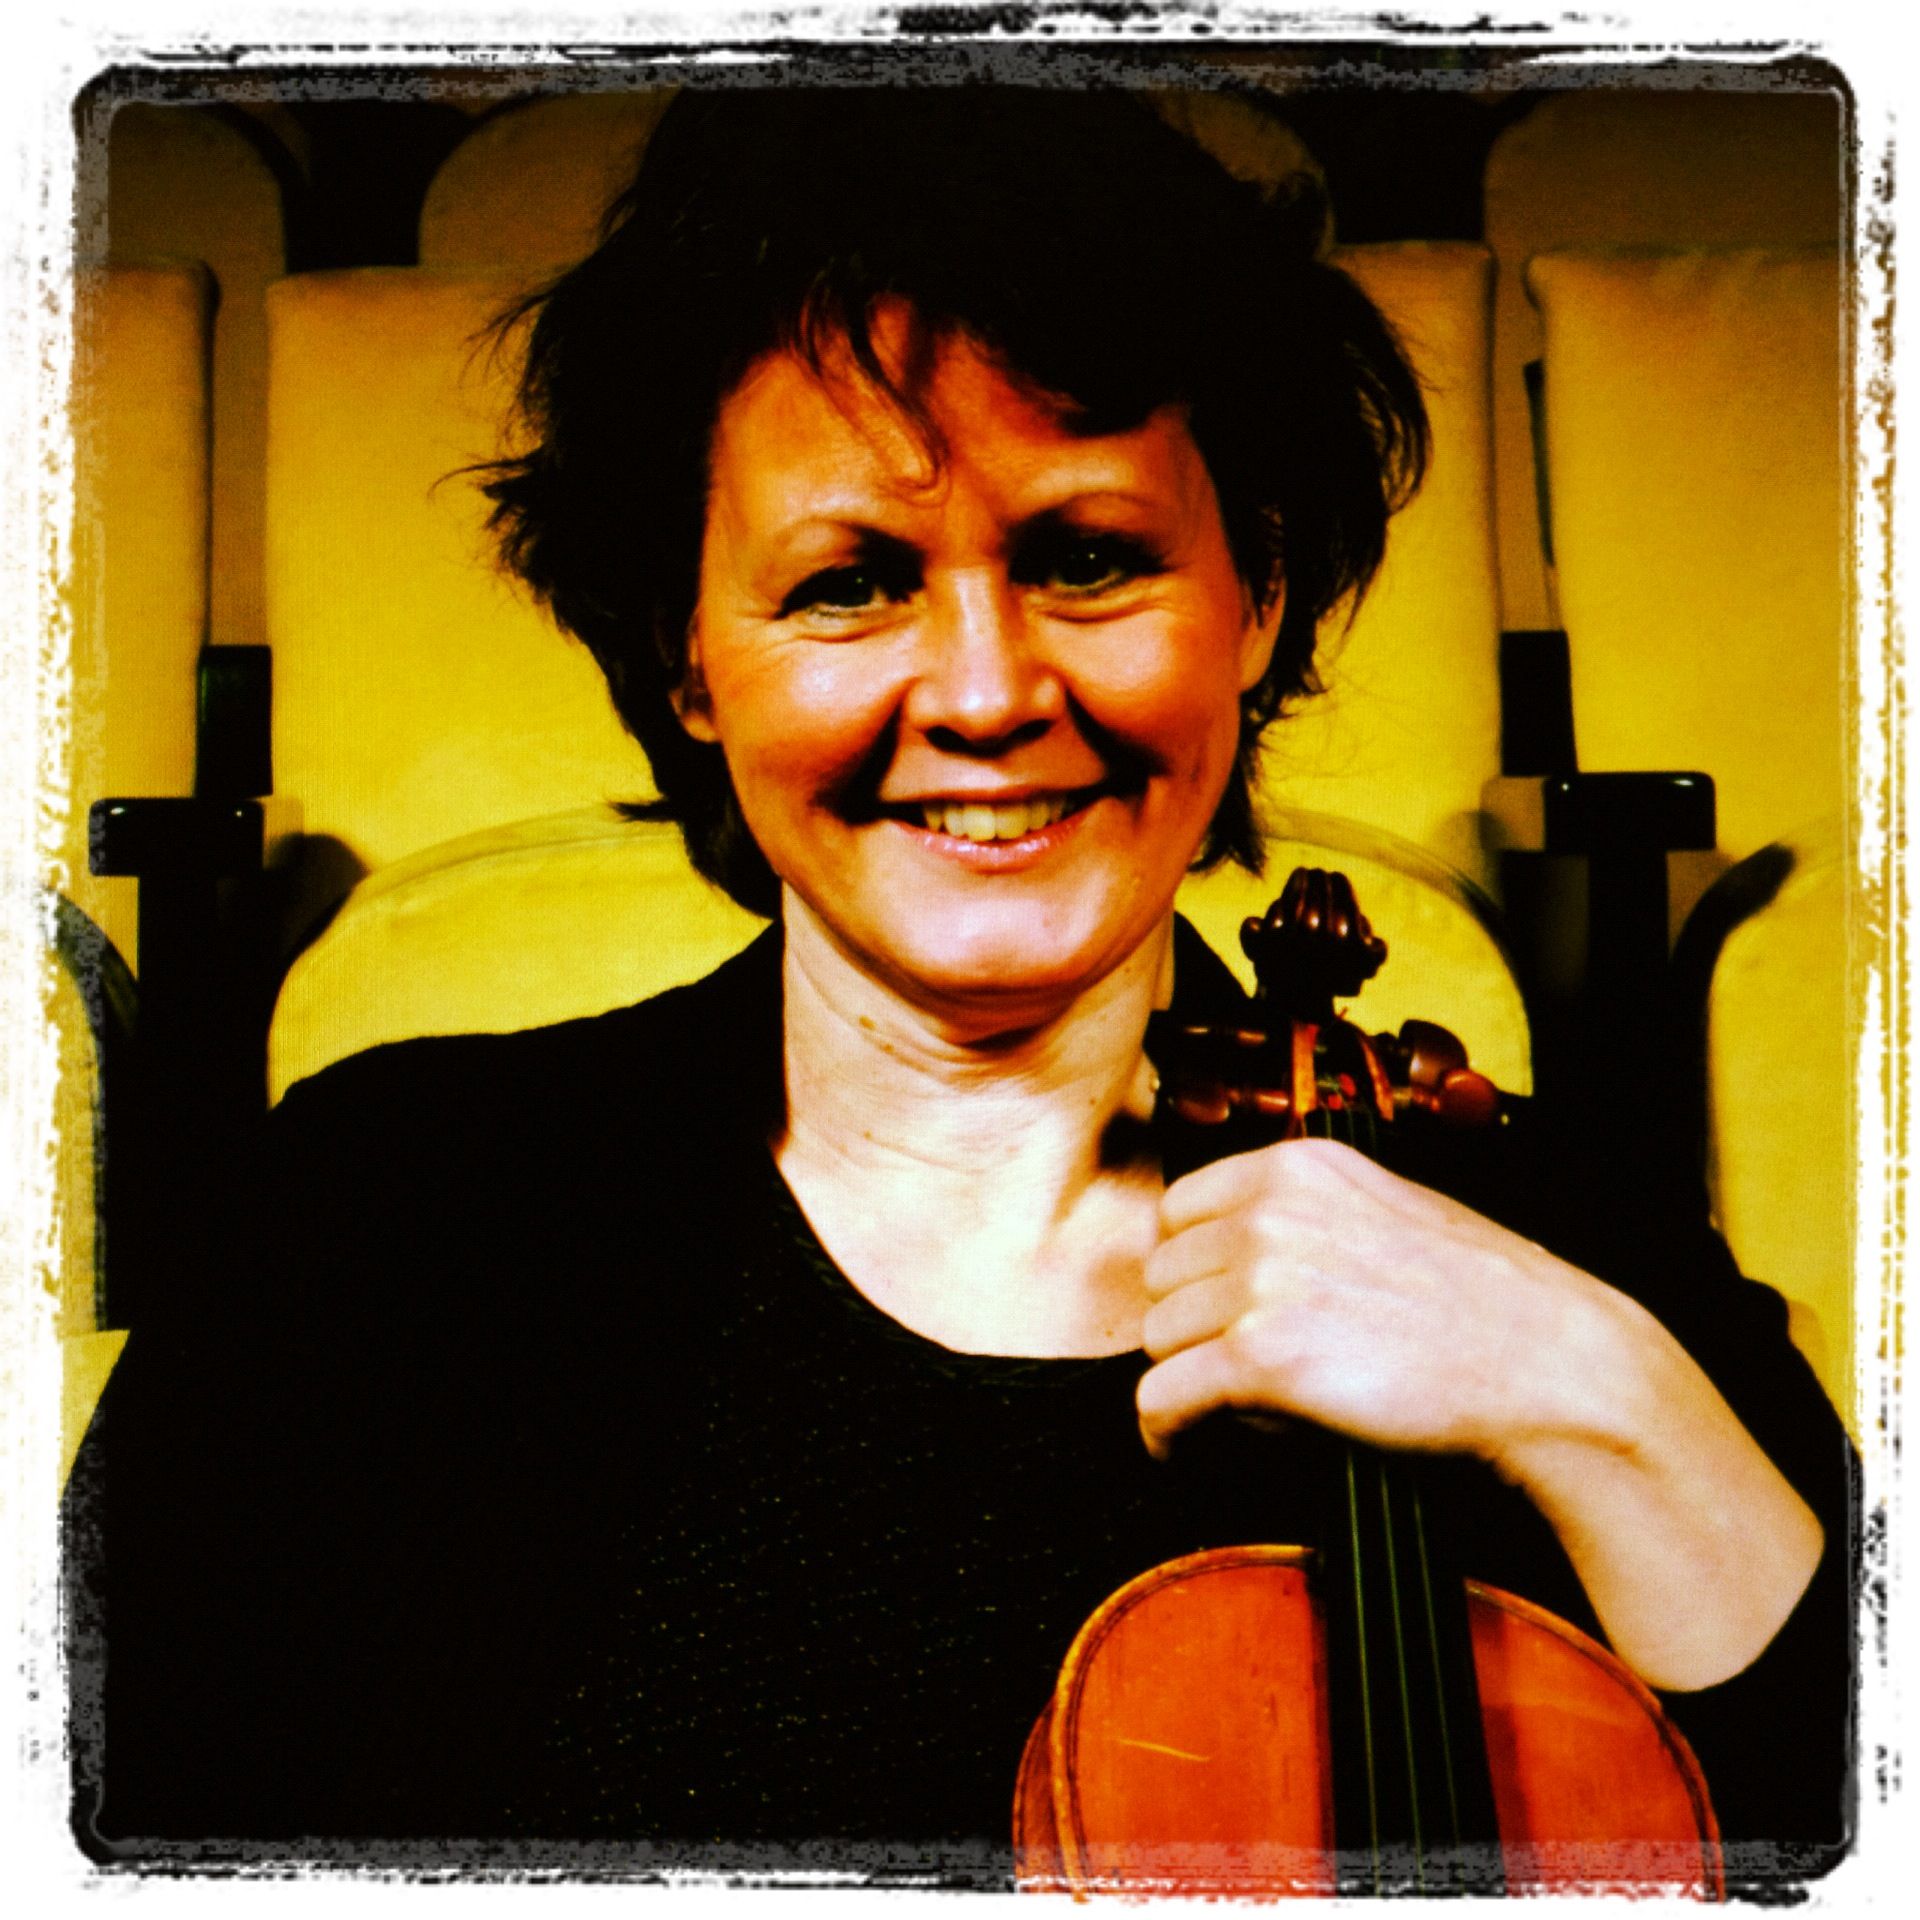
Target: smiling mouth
[
  {"x": 982, "y": 821},
  {"x": 986, "y": 822}
]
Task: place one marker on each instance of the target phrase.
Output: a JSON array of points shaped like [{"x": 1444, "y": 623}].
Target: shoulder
[
  {"x": 711, "y": 1044},
  {"x": 429, "y": 1178}
]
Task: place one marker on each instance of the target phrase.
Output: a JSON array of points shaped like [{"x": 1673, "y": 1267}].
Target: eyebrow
[
  {"x": 1065, "y": 514},
  {"x": 836, "y": 535}
]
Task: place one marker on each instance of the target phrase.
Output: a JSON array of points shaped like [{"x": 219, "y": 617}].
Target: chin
[{"x": 1004, "y": 966}]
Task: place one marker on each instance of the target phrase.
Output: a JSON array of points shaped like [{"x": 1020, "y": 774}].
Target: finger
[
  {"x": 1329, "y": 1166},
  {"x": 1194, "y": 1253},
  {"x": 1219, "y": 1188},
  {"x": 1309, "y": 1174},
  {"x": 1191, "y": 1384},
  {"x": 1192, "y": 1314}
]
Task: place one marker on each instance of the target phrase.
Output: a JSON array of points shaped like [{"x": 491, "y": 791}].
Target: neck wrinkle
[{"x": 875, "y": 1082}]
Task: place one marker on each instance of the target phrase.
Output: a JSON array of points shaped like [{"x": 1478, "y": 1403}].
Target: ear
[
  {"x": 692, "y": 706},
  {"x": 1258, "y": 638}
]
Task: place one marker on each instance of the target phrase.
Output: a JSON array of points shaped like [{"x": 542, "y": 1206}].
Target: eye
[
  {"x": 1083, "y": 565},
  {"x": 837, "y": 590},
  {"x": 861, "y": 586}
]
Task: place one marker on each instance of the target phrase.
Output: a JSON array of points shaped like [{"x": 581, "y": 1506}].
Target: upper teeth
[{"x": 975, "y": 820}]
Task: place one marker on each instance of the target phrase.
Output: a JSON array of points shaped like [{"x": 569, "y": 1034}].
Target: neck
[{"x": 990, "y": 1187}]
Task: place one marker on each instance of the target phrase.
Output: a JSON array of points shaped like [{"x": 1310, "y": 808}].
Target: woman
[{"x": 706, "y": 1426}]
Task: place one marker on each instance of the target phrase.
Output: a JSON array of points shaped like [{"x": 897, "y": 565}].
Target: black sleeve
[
  {"x": 308, "y": 1531},
  {"x": 339, "y": 1523},
  {"x": 1775, "y": 1742},
  {"x": 196, "y": 1525}
]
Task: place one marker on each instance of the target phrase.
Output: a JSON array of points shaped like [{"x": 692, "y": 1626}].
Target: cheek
[
  {"x": 795, "y": 724},
  {"x": 1175, "y": 692}
]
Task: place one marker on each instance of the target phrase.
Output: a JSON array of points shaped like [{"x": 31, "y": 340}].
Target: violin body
[
  {"x": 1186, "y": 1749},
  {"x": 1275, "y": 1720}
]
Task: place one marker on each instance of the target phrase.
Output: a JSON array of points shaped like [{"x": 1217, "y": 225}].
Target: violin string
[
  {"x": 1447, "y": 1774},
  {"x": 1403, "y": 1674},
  {"x": 1444, "y": 1746},
  {"x": 1383, "y": 1476},
  {"x": 1350, "y": 1127},
  {"x": 1366, "y": 1678}
]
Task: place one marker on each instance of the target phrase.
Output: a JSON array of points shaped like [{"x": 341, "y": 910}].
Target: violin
[{"x": 1359, "y": 1718}]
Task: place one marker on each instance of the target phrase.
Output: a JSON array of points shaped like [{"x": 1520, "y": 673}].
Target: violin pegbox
[
  {"x": 1262, "y": 1079},
  {"x": 1297, "y": 1055},
  {"x": 1298, "y": 1066},
  {"x": 1315, "y": 945}
]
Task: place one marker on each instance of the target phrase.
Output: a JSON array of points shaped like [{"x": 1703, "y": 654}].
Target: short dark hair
[{"x": 1098, "y": 255}]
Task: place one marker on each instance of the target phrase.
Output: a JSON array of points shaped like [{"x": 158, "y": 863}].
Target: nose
[{"x": 985, "y": 680}]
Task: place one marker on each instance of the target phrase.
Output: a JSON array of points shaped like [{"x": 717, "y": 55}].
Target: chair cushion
[
  {"x": 1672, "y": 167},
  {"x": 527, "y": 187},
  {"x": 518, "y": 926},
  {"x": 1698, "y": 438},
  {"x": 87, "y": 1361},
  {"x": 417, "y": 695},
  {"x": 571, "y": 915},
  {"x": 1408, "y": 731},
  {"x": 185, "y": 181},
  {"x": 1781, "y": 1058},
  {"x": 139, "y": 597}
]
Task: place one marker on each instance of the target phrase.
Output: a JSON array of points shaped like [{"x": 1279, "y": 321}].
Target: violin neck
[
  {"x": 1413, "y": 1808},
  {"x": 1412, "y": 1791}
]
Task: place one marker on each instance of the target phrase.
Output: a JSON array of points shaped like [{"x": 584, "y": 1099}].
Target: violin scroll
[{"x": 1312, "y": 946}]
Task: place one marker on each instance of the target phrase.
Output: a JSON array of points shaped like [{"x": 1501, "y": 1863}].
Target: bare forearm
[{"x": 1691, "y": 1544}]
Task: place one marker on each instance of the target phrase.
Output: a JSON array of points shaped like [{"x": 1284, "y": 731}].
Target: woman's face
[{"x": 978, "y": 715}]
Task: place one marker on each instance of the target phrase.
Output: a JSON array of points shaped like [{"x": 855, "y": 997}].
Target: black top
[{"x": 528, "y": 1475}]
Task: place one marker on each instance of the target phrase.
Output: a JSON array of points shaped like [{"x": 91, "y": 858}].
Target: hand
[{"x": 1305, "y": 1279}]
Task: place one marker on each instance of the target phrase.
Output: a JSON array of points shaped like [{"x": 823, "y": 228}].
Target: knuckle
[
  {"x": 1277, "y": 1276},
  {"x": 1149, "y": 1395},
  {"x": 1251, "y": 1341},
  {"x": 1269, "y": 1234},
  {"x": 1329, "y": 1158}
]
